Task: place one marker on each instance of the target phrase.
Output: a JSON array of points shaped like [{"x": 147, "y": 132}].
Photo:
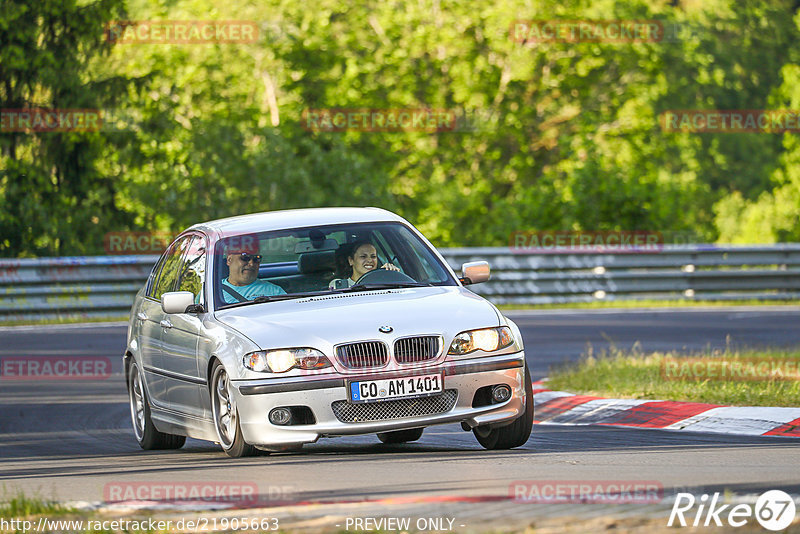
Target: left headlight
[
  {"x": 282, "y": 360},
  {"x": 485, "y": 339}
]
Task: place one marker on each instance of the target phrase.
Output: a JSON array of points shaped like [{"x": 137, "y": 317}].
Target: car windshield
[{"x": 284, "y": 264}]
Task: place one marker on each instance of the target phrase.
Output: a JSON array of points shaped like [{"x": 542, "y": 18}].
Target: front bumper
[{"x": 256, "y": 398}]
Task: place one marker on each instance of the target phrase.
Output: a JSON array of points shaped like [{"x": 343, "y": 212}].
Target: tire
[
  {"x": 517, "y": 433},
  {"x": 401, "y": 436},
  {"x": 147, "y": 435},
  {"x": 226, "y": 415}
]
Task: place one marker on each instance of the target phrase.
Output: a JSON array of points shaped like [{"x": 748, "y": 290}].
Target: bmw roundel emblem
[{"x": 385, "y": 329}]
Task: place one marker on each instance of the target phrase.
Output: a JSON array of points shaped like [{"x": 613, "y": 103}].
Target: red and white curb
[{"x": 562, "y": 408}]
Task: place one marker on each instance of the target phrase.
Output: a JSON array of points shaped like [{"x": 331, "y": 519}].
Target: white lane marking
[
  {"x": 595, "y": 411},
  {"x": 544, "y": 396},
  {"x": 748, "y": 420}
]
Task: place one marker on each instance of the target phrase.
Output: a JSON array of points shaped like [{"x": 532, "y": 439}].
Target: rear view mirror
[
  {"x": 315, "y": 245},
  {"x": 177, "y": 301},
  {"x": 474, "y": 272}
]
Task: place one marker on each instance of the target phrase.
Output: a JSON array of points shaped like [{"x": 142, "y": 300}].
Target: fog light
[
  {"x": 501, "y": 393},
  {"x": 280, "y": 416}
]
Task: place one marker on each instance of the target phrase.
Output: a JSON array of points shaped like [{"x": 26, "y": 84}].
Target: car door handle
[
  {"x": 165, "y": 323},
  {"x": 141, "y": 316}
]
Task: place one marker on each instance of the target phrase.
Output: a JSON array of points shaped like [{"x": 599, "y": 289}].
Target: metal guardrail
[
  {"x": 699, "y": 272},
  {"x": 104, "y": 286},
  {"x": 74, "y": 287}
]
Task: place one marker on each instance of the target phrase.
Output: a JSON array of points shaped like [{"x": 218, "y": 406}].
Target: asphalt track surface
[{"x": 68, "y": 439}]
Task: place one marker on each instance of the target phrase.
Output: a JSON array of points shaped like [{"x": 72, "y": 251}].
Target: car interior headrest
[{"x": 315, "y": 262}]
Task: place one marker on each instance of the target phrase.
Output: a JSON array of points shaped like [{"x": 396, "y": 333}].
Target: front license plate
[{"x": 396, "y": 388}]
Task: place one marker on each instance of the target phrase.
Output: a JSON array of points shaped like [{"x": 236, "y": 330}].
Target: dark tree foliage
[
  {"x": 55, "y": 198},
  {"x": 549, "y": 135}
]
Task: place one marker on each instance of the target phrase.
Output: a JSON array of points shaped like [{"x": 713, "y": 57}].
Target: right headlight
[
  {"x": 283, "y": 360},
  {"x": 485, "y": 339}
]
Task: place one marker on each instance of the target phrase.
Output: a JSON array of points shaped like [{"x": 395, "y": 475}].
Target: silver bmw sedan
[{"x": 272, "y": 330}]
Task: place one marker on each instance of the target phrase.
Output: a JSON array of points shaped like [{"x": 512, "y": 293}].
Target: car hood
[{"x": 324, "y": 321}]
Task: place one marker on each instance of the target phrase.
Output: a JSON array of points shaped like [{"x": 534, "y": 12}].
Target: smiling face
[
  {"x": 242, "y": 272},
  {"x": 363, "y": 260}
]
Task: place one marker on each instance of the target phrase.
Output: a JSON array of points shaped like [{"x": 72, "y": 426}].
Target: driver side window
[{"x": 385, "y": 252}]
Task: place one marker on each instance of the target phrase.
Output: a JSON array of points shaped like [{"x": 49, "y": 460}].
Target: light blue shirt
[{"x": 257, "y": 289}]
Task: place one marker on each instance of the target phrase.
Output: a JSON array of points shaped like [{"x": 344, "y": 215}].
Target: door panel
[
  {"x": 150, "y": 350},
  {"x": 179, "y": 350},
  {"x": 165, "y": 280},
  {"x": 185, "y": 381}
]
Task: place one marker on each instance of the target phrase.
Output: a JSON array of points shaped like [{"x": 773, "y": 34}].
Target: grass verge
[
  {"x": 21, "y": 505},
  {"x": 23, "y": 514},
  {"x": 737, "y": 378}
]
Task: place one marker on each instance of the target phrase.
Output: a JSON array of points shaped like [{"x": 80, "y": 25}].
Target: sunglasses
[{"x": 247, "y": 258}]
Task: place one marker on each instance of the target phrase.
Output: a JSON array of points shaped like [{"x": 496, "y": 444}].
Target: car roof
[{"x": 297, "y": 218}]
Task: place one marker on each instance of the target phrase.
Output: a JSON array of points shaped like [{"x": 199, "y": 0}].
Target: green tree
[
  {"x": 551, "y": 135},
  {"x": 54, "y": 198}
]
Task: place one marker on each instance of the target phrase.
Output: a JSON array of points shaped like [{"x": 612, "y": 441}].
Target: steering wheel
[{"x": 384, "y": 276}]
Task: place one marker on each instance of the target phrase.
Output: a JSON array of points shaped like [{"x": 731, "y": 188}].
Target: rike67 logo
[{"x": 774, "y": 510}]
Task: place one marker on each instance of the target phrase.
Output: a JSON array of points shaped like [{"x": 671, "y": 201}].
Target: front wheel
[
  {"x": 517, "y": 433},
  {"x": 147, "y": 435},
  {"x": 226, "y": 416},
  {"x": 401, "y": 436}
]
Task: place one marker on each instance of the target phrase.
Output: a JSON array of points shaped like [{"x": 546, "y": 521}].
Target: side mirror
[
  {"x": 474, "y": 272},
  {"x": 177, "y": 301}
]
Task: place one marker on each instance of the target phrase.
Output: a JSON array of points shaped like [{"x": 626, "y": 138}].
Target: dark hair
[
  {"x": 355, "y": 245},
  {"x": 343, "y": 267}
]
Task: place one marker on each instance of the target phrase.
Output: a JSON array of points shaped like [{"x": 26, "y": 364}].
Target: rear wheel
[
  {"x": 401, "y": 436},
  {"x": 226, "y": 416},
  {"x": 147, "y": 435},
  {"x": 517, "y": 433}
]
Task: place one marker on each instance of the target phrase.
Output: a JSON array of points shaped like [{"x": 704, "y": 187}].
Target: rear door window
[{"x": 193, "y": 269}]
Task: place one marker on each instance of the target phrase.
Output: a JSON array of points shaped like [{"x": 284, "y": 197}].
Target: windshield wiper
[
  {"x": 395, "y": 285},
  {"x": 272, "y": 298},
  {"x": 358, "y": 287},
  {"x": 287, "y": 296}
]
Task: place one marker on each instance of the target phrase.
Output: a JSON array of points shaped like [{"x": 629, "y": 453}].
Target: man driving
[{"x": 242, "y": 284}]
